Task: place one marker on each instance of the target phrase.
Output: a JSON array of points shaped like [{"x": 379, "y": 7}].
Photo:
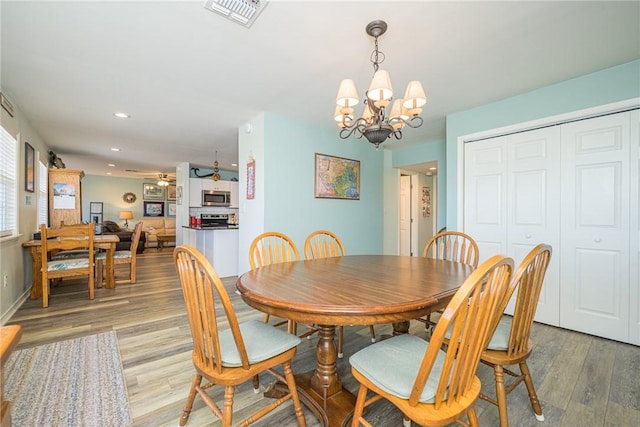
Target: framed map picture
[{"x": 337, "y": 177}]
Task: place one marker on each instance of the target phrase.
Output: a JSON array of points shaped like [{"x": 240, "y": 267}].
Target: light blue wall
[
  {"x": 427, "y": 152},
  {"x": 109, "y": 190},
  {"x": 290, "y": 206},
  {"x": 607, "y": 86}
]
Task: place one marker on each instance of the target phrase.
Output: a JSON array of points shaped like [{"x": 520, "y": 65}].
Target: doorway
[{"x": 418, "y": 207}]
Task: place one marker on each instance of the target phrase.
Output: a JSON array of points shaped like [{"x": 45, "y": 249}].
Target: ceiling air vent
[{"x": 243, "y": 12}]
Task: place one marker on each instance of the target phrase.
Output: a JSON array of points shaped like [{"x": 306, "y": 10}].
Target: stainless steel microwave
[{"x": 216, "y": 198}]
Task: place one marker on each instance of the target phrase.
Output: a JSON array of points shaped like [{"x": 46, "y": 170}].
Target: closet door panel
[
  {"x": 485, "y": 196},
  {"x": 533, "y": 208},
  {"x": 634, "y": 280},
  {"x": 595, "y": 226}
]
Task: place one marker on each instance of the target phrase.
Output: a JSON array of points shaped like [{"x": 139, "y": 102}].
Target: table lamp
[{"x": 126, "y": 215}]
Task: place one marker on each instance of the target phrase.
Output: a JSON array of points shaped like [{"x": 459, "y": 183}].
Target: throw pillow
[{"x": 111, "y": 227}]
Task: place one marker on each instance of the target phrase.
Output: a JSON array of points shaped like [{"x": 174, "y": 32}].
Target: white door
[
  {"x": 595, "y": 226},
  {"x": 634, "y": 280},
  {"x": 533, "y": 208},
  {"x": 485, "y": 195},
  {"x": 405, "y": 215},
  {"x": 512, "y": 202}
]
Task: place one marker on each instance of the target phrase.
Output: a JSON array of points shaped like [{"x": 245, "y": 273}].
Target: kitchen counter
[{"x": 220, "y": 248}]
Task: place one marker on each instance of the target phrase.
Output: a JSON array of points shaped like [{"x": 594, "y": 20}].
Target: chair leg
[
  {"x": 45, "y": 293},
  {"x": 92, "y": 278},
  {"x": 533, "y": 397},
  {"x": 227, "y": 409},
  {"x": 359, "y": 409},
  {"x": 340, "y": 341},
  {"x": 291, "y": 383},
  {"x": 501, "y": 396},
  {"x": 373, "y": 333},
  {"x": 132, "y": 273},
  {"x": 256, "y": 384},
  {"x": 189, "y": 404},
  {"x": 99, "y": 273},
  {"x": 473, "y": 418}
]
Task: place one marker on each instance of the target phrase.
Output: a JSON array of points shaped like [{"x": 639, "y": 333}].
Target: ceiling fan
[{"x": 162, "y": 179}]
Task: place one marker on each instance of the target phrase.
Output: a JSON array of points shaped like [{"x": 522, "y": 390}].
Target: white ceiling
[{"x": 190, "y": 78}]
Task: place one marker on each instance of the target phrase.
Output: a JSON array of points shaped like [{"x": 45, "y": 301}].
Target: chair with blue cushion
[
  {"x": 434, "y": 386},
  {"x": 450, "y": 246},
  {"x": 273, "y": 247},
  {"x": 325, "y": 244},
  {"x": 227, "y": 353},
  {"x": 122, "y": 257},
  {"x": 510, "y": 344},
  {"x": 77, "y": 238}
]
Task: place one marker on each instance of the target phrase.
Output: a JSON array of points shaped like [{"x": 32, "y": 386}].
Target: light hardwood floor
[{"x": 581, "y": 380}]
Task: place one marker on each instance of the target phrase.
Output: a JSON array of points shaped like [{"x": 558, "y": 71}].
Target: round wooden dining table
[{"x": 348, "y": 290}]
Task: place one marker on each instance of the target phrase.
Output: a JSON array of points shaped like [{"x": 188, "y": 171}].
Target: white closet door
[
  {"x": 634, "y": 280},
  {"x": 533, "y": 210},
  {"x": 512, "y": 202},
  {"x": 485, "y": 195},
  {"x": 595, "y": 226}
]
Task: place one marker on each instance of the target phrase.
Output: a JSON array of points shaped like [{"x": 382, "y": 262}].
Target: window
[
  {"x": 43, "y": 199},
  {"x": 8, "y": 184}
]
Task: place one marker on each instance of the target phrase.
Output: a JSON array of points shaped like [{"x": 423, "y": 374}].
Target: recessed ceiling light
[
  {"x": 432, "y": 169},
  {"x": 115, "y": 149},
  {"x": 121, "y": 115},
  {"x": 234, "y": 164},
  {"x": 109, "y": 173},
  {"x": 111, "y": 165}
]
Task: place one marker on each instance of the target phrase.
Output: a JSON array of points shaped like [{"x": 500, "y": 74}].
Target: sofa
[
  {"x": 125, "y": 236},
  {"x": 153, "y": 226}
]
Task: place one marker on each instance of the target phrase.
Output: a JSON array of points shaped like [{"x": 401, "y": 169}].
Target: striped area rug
[{"x": 76, "y": 382}]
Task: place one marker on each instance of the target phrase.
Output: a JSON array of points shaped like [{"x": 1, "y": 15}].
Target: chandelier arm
[{"x": 356, "y": 128}]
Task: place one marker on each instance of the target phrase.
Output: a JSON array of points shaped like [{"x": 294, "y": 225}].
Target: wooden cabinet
[{"x": 65, "y": 197}]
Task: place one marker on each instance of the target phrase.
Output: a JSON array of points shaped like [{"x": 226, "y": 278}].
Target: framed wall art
[
  {"x": 172, "y": 192},
  {"x": 171, "y": 209},
  {"x": 251, "y": 179},
  {"x": 337, "y": 178},
  {"x": 29, "y": 168},
  {"x": 153, "y": 209},
  {"x": 152, "y": 192}
]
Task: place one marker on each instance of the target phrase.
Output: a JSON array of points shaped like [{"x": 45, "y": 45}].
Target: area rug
[{"x": 76, "y": 382}]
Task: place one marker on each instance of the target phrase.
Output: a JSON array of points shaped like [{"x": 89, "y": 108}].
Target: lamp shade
[
  {"x": 347, "y": 94},
  {"x": 414, "y": 96},
  {"x": 380, "y": 88},
  {"x": 126, "y": 215}
]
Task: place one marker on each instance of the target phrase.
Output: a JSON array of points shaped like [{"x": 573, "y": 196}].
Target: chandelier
[{"x": 377, "y": 122}]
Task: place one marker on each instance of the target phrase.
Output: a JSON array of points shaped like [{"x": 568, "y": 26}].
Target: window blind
[
  {"x": 43, "y": 196},
  {"x": 8, "y": 184}
]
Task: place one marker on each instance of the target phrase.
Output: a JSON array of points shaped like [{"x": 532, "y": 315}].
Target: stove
[{"x": 214, "y": 220}]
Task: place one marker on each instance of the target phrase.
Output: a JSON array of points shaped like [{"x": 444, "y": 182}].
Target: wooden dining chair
[
  {"x": 76, "y": 238},
  {"x": 510, "y": 344},
  {"x": 121, "y": 257},
  {"x": 325, "y": 244},
  {"x": 231, "y": 356},
  {"x": 434, "y": 386},
  {"x": 450, "y": 246},
  {"x": 273, "y": 247}
]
